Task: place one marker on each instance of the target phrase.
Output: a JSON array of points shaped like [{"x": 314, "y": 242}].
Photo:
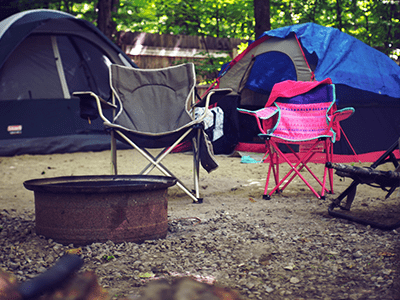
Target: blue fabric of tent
[
  {"x": 346, "y": 60},
  {"x": 270, "y": 68}
]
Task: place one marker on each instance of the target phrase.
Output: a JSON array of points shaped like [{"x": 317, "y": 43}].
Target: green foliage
[
  {"x": 242, "y": 47},
  {"x": 223, "y": 18},
  {"x": 375, "y": 22},
  {"x": 108, "y": 257},
  {"x": 136, "y": 15}
]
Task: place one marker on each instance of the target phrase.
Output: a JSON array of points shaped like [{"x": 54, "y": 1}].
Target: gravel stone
[{"x": 262, "y": 260}]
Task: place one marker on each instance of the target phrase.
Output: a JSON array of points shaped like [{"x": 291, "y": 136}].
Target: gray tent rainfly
[{"x": 46, "y": 55}]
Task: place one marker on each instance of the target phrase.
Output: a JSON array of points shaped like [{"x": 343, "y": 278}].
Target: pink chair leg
[
  {"x": 274, "y": 167},
  {"x": 293, "y": 169}
]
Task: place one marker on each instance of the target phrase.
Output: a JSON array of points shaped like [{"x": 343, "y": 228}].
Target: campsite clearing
[{"x": 285, "y": 248}]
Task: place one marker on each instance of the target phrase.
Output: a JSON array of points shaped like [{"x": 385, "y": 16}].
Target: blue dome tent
[{"x": 365, "y": 79}]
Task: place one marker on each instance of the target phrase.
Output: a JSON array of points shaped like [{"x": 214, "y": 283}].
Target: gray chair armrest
[
  {"x": 101, "y": 103},
  {"x": 92, "y": 96}
]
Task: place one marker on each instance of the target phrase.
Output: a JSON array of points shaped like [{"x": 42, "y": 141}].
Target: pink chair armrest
[
  {"x": 342, "y": 114},
  {"x": 262, "y": 114}
]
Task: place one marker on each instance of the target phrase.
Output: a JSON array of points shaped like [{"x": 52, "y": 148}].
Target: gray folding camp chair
[{"x": 154, "y": 108}]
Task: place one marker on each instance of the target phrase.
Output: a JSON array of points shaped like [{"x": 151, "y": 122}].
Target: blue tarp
[{"x": 345, "y": 59}]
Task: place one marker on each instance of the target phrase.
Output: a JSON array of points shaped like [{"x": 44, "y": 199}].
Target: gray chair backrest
[{"x": 153, "y": 100}]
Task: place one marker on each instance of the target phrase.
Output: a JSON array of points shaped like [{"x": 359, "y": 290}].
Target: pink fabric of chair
[
  {"x": 303, "y": 114},
  {"x": 302, "y": 122},
  {"x": 266, "y": 117},
  {"x": 291, "y": 88}
]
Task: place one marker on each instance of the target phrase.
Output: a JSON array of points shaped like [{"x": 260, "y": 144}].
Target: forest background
[{"x": 375, "y": 22}]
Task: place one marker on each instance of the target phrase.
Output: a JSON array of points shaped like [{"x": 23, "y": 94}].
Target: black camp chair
[
  {"x": 154, "y": 109},
  {"x": 386, "y": 180}
]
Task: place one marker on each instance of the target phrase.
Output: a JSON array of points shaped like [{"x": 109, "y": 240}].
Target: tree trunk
[
  {"x": 104, "y": 20},
  {"x": 262, "y": 16},
  {"x": 339, "y": 15}
]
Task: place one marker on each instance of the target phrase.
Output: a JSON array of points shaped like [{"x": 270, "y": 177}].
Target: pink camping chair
[{"x": 302, "y": 114}]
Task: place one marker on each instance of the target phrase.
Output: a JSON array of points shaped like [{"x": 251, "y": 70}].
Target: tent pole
[
  {"x": 114, "y": 170},
  {"x": 113, "y": 154},
  {"x": 60, "y": 68}
]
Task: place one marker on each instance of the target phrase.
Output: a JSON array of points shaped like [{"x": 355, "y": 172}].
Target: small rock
[
  {"x": 387, "y": 272},
  {"x": 294, "y": 280},
  {"x": 289, "y": 267},
  {"x": 269, "y": 289}
]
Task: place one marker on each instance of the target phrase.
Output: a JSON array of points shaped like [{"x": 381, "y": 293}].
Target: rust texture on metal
[{"x": 81, "y": 210}]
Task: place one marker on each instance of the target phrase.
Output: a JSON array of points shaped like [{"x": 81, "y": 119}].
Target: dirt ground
[
  {"x": 233, "y": 187},
  {"x": 239, "y": 182}
]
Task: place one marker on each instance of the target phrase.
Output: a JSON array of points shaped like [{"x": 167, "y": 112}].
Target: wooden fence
[{"x": 150, "y": 51}]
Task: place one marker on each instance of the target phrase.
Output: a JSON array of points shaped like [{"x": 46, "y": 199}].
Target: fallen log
[{"x": 367, "y": 175}]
